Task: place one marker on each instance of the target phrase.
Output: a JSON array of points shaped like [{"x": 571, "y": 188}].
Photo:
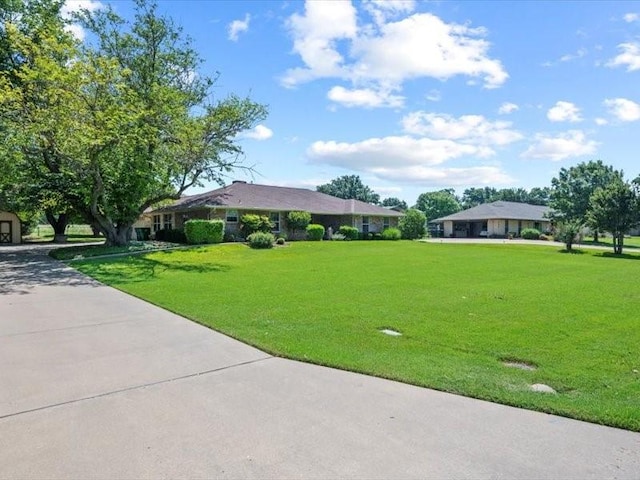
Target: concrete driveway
[{"x": 97, "y": 384}]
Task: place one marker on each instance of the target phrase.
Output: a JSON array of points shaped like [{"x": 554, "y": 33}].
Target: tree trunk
[
  {"x": 595, "y": 236},
  {"x": 95, "y": 229},
  {"x": 59, "y": 226},
  {"x": 618, "y": 241},
  {"x": 118, "y": 236}
]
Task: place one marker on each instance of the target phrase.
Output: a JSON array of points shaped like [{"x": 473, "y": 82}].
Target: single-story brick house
[
  {"x": 495, "y": 220},
  {"x": 230, "y": 203},
  {"x": 10, "y": 228}
]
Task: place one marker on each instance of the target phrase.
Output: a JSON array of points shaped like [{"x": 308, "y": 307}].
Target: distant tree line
[{"x": 589, "y": 195}]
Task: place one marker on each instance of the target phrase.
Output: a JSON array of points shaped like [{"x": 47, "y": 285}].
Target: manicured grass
[
  {"x": 87, "y": 251},
  {"x": 462, "y": 311},
  {"x": 75, "y": 234},
  {"x": 632, "y": 243}
]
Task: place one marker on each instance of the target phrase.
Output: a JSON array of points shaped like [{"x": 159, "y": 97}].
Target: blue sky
[{"x": 417, "y": 96}]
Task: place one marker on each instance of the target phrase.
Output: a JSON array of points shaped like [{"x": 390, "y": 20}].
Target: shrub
[
  {"x": 298, "y": 221},
  {"x": 391, "y": 234},
  {"x": 338, "y": 236},
  {"x": 251, "y": 223},
  {"x": 173, "y": 235},
  {"x": 231, "y": 237},
  {"x": 412, "y": 225},
  {"x": 261, "y": 240},
  {"x": 315, "y": 232},
  {"x": 350, "y": 233},
  {"x": 530, "y": 234},
  {"x": 567, "y": 232},
  {"x": 204, "y": 231},
  {"x": 280, "y": 241}
]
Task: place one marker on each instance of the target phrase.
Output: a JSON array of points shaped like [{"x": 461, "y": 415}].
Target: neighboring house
[
  {"x": 230, "y": 203},
  {"x": 10, "y": 228},
  {"x": 496, "y": 219}
]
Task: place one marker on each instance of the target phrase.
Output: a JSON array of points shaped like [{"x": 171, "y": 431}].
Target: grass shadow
[
  {"x": 620, "y": 256},
  {"x": 140, "y": 269},
  {"x": 572, "y": 251}
]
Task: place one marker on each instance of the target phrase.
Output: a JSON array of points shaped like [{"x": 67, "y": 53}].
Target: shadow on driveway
[{"x": 24, "y": 267}]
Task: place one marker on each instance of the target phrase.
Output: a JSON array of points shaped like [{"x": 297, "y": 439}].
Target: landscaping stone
[
  {"x": 393, "y": 333},
  {"x": 541, "y": 387}
]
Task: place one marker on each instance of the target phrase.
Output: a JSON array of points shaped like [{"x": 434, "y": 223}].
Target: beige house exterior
[
  {"x": 495, "y": 220},
  {"x": 230, "y": 203},
  {"x": 10, "y": 228}
]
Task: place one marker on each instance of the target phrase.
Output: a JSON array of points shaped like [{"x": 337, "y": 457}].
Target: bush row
[{"x": 256, "y": 230}]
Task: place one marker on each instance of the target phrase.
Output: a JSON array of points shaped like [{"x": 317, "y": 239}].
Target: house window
[
  {"x": 385, "y": 223},
  {"x": 167, "y": 221},
  {"x": 156, "y": 223},
  {"x": 537, "y": 226},
  {"x": 274, "y": 217},
  {"x": 232, "y": 216},
  {"x": 365, "y": 224}
]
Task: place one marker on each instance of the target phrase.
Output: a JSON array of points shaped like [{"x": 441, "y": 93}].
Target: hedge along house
[
  {"x": 495, "y": 220},
  {"x": 10, "y": 228},
  {"x": 230, "y": 203}
]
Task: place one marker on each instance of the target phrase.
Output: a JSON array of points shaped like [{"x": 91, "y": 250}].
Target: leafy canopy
[
  {"x": 349, "y": 187},
  {"x": 438, "y": 204},
  {"x": 615, "y": 208}
]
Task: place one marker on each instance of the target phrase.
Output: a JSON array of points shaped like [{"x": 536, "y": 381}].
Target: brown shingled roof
[{"x": 251, "y": 196}]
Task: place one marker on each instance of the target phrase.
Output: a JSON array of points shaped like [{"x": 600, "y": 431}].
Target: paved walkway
[{"x": 97, "y": 384}]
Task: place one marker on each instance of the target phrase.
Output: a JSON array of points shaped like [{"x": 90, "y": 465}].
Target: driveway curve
[{"x": 97, "y": 384}]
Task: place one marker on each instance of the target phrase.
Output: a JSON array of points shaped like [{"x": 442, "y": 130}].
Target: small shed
[{"x": 10, "y": 229}]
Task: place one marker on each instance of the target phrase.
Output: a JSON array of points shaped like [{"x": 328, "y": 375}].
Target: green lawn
[
  {"x": 462, "y": 310},
  {"x": 80, "y": 252},
  {"x": 75, "y": 233},
  {"x": 633, "y": 243}
]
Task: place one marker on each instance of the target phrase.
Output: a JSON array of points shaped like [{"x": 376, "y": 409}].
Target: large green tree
[
  {"x": 125, "y": 121},
  {"x": 38, "y": 82},
  {"x": 413, "y": 224},
  {"x": 349, "y": 186},
  {"x": 395, "y": 202},
  {"x": 614, "y": 208},
  {"x": 438, "y": 204},
  {"x": 571, "y": 191},
  {"x": 169, "y": 136}
]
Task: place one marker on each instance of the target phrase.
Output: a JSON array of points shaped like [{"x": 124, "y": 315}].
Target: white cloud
[
  {"x": 422, "y": 45},
  {"x": 333, "y": 42},
  {"x": 428, "y": 176},
  {"x": 601, "y": 121},
  {"x": 572, "y": 143},
  {"x": 382, "y": 10},
  {"x": 507, "y": 108},
  {"x": 434, "y": 95},
  {"x": 564, "y": 112},
  {"x": 631, "y": 17},
  {"x": 573, "y": 56},
  {"x": 237, "y": 27},
  {"x": 408, "y": 160},
  {"x": 364, "y": 97},
  {"x": 394, "y": 151},
  {"x": 75, "y": 6},
  {"x": 630, "y": 57},
  {"x": 469, "y": 129},
  {"x": 314, "y": 38},
  {"x": 623, "y": 109},
  {"x": 260, "y": 132}
]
